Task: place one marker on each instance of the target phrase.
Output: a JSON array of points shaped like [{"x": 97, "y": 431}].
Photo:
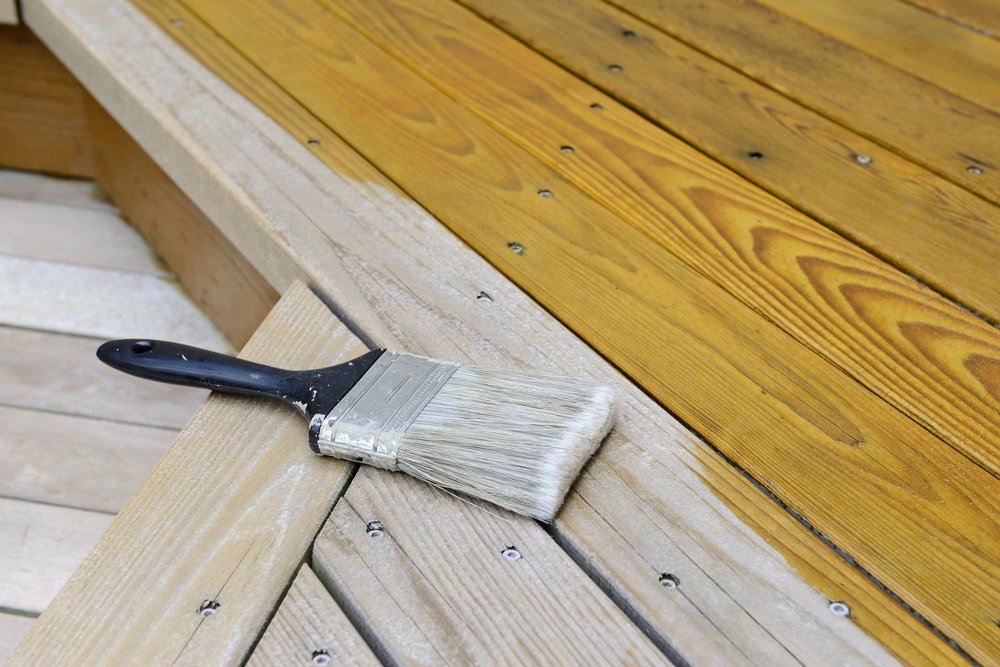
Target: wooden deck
[{"x": 772, "y": 225}]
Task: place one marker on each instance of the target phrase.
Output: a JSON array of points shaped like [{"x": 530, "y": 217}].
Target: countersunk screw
[
  {"x": 668, "y": 580},
  {"x": 861, "y": 158},
  {"x": 511, "y": 553},
  {"x": 840, "y": 609},
  {"x": 209, "y": 608},
  {"x": 374, "y": 529}
]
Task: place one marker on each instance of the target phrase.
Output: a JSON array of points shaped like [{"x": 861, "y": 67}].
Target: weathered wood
[
  {"x": 13, "y": 627},
  {"x": 932, "y": 127},
  {"x": 103, "y": 303},
  {"x": 226, "y": 515},
  {"x": 949, "y": 56},
  {"x": 42, "y": 122},
  {"x": 655, "y": 499},
  {"x": 436, "y": 588},
  {"x": 219, "y": 279},
  {"x": 84, "y": 236},
  {"x": 42, "y": 188},
  {"x": 75, "y": 461},
  {"x": 815, "y": 438},
  {"x": 982, "y": 16},
  {"x": 308, "y": 624},
  {"x": 40, "y": 546},
  {"x": 901, "y": 212},
  {"x": 59, "y": 373},
  {"x": 811, "y": 282}
]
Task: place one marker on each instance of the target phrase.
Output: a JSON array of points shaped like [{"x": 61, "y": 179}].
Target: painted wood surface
[
  {"x": 54, "y": 190},
  {"x": 13, "y": 627},
  {"x": 460, "y": 583},
  {"x": 814, "y": 284},
  {"x": 932, "y": 127},
  {"x": 8, "y": 12},
  {"x": 949, "y": 56},
  {"x": 42, "y": 125},
  {"x": 310, "y": 627},
  {"x": 226, "y": 516},
  {"x": 75, "y": 461},
  {"x": 819, "y": 441},
  {"x": 35, "y": 563},
  {"x": 982, "y": 16},
  {"x": 409, "y": 283},
  {"x": 930, "y": 228},
  {"x": 56, "y": 373}
]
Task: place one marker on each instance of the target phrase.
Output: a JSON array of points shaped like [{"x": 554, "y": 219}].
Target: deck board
[
  {"x": 785, "y": 415},
  {"x": 982, "y": 16}
]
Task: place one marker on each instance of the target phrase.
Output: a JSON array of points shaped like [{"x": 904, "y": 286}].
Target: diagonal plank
[
  {"x": 982, "y": 16},
  {"x": 819, "y": 441},
  {"x": 227, "y": 515},
  {"x": 949, "y": 56},
  {"x": 814, "y": 284},
  {"x": 945, "y": 133},
  {"x": 407, "y": 280},
  {"x": 929, "y": 227}
]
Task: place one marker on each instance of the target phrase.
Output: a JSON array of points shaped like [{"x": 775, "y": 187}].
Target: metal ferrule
[{"x": 369, "y": 422}]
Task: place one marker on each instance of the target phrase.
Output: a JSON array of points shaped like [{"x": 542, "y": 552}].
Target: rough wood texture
[
  {"x": 982, "y": 16},
  {"x": 67, "y": 234},
  {"x": 220, "y": 280},
  {"x": 227, "y": 515},
  {"x": 932, "y": 127},
  {"x": 308, "y": 624},
  {"x": 815, "y": 438},
  {"x": 35, "y": 563},
  {"x": 57, "y": 373},
  {"x": 815, "y": 285},
  {"x": 42, "y": 122},
  {"x": 75, "y": 461},
  {"x": 947, "y": 55},
  {"x": 931, "y": 228},
  {"x": 649, "y": 504},
  {"x": 435, "y": 587}
]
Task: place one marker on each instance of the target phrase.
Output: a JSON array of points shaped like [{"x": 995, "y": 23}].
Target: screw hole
[
  {"x": 321, "y": 657},
  {"x": 668, "y": 580},
  {"x": 209, "y": 608},
  {"x": 861, "y": 158},
  {"x": 511, "y": 553},
  {"x": 755, "y": 155},
  {"x": 313, "y": 142},
  {"x": 568, "y": 150},
  {"x": 142, "y": 347},
  {"x": 483, "y": 296},
  {"x": 615, "y": 69},
  {"x": 974, "y": 170},
  {"x": 840, "y": 609},
  {"x": 545, "y": 194},
  {"x": 628, "y": 33},
  {"x": 596, "y": 106},
  {"x": 516, "y": 247},
  {"x": 374, "y": 529}
]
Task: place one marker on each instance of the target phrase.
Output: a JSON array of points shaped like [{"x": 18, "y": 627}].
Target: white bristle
[{"x": 515, "y": 439}]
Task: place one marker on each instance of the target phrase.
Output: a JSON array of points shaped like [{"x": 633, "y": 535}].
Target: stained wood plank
[
  {"x": 309, "y": 624},
  {"x": 226, "y": 515},
  {"x": 442, "y": 592},
  {"x": 42, "y": 188},
  {"x": 227, "y": 287},
  {"x": 75, "y": 461},
  {"x": 654, "y": 490},
  {"x": 103, "y": 303},
  {"x": 66, "y": 234},
  {"x": 13, "y": 627},
  {"x": 916, "y": 220},
  {"x": 934, "y": 128},
  {"x": 767, "y": 255},
  {"x": 59, "y": 373},
  {"x": 982, "y": 16},
  {"x": 40, "y": 546},
  {"x": 949, "y": 56},
  {"x": 781, "y": 413},
  {"x": 42, "y": 122}
]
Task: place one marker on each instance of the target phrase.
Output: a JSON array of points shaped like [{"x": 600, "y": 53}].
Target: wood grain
[
  {"x": 309, "y": 623},
  {"x": 13, "y": 627},
  {"x": 833, "y": 297},
  {"x": 226, "y": 515},
  {"x": 58, "y": 373},
  {"x": 982, "y": 16},
  {"x": 949, "y": 56},
  {"x": 227, "y": 287},
  {"x": 916, "y": 220},
  {"x": 67, "y": 234},
  {"x": 648, "y": 503},
  {"x": 934, "y": 128},
  {"x": 440, "y": 591},
  {"x": 75, "y": 461},
  {"x": 813, "y": 436},
  {"x": 42, "y": 122},
  {"x": 40, "y": 546},
  {"x": 101, "y": 303}
]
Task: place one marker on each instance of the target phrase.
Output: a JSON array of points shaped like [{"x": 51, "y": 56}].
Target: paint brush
[{"x": 515, "y": 439}]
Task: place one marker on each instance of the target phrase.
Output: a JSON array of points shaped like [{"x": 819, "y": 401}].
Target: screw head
[
  {"x": 974, "y": 170},
  {"x": 861, "y": 158},
  {"x": 568, "y": 150},
  {"x": 615, "y": 69},
  {"x": 840, "y": 609},
  {"x": 209, "y": 608},
  {"x": 321, "y": 657},
  {"x": 374, "y": 529},
  {"x": 668, "y": 580},
  {"x": 516, "y": 247},
  {"x": 511, "y": 553}
]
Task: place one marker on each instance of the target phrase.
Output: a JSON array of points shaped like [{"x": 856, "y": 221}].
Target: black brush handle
[{"x": 310, "y": 391}]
